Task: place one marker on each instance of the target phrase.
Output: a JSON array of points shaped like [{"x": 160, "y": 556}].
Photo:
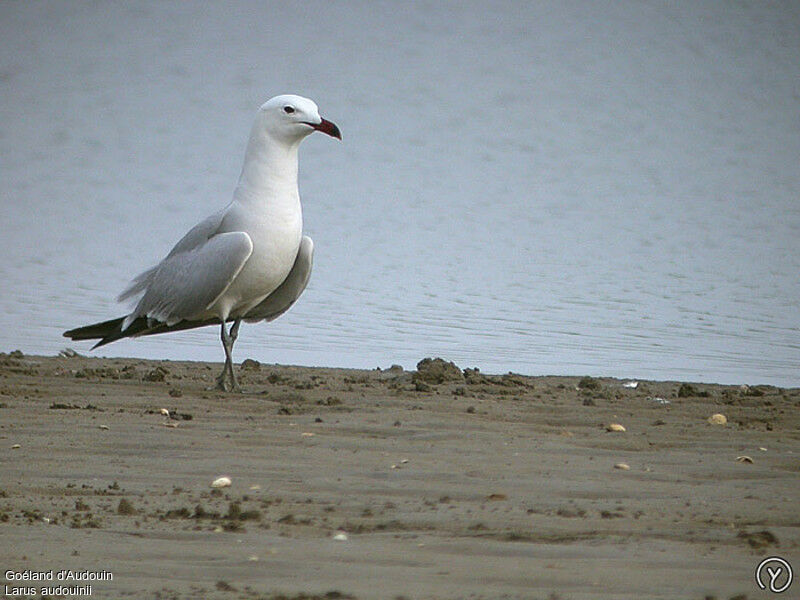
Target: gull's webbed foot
[{"x": 227, "y": 381}]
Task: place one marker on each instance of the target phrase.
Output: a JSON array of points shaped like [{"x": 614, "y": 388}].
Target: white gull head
[
  {"x": 289, "y": 118},
  {"x": 270, "y": 162}
]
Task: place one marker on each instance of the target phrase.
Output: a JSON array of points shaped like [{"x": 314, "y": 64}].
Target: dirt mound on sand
[{"x": 437, "y": 370}]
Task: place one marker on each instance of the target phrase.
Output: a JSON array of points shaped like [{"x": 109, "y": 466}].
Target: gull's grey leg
[
  {"x": 222, "y": 382},
  {"x": 234, "y": 333},
  {"x": 227, "y": 370},
  {"x": 235, "y": 330}
]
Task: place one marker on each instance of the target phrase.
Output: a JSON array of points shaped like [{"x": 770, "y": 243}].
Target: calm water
[{"x": 567, "y": 188}]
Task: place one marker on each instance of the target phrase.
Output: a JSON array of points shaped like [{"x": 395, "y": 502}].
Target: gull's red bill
[{"x": 326, "y": 126}]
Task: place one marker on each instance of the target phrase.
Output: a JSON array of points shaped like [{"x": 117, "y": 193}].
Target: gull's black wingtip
[{"x": 95, "y": 331}]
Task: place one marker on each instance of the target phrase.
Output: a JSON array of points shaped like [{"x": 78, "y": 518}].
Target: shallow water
[{"x": 566, "y": 188}]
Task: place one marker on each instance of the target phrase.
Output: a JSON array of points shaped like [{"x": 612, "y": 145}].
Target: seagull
[{"x": 250, "y": 261}]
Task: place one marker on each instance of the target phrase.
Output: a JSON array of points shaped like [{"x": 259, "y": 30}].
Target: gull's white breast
[{"x": 275, "y": 230}]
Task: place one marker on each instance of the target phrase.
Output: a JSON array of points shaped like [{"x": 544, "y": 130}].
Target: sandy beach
[{"x": 438, "y": 483}]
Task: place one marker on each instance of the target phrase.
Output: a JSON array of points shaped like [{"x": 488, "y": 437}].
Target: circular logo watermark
[{"x": 774, "y": 574}]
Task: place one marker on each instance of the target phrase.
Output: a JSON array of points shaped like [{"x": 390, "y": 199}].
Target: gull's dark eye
[{"x": 288, "y": 109}]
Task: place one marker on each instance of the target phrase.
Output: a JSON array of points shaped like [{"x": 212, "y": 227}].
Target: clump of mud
[{"x": 436, "y": 371}]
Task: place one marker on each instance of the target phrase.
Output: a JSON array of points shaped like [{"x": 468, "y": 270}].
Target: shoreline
[{"x": 348, "y": 483}]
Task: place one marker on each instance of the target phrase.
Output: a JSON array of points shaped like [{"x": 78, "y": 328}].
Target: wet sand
[{"x": 438, "y": 483}]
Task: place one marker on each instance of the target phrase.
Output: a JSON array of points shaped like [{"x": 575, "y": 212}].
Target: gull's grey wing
[
  {"x": 197, "y": 235},
  {"x": 270, "y": 308},
  {"x": 285, "y": 295},
  {"x": 188, "y": 282}
]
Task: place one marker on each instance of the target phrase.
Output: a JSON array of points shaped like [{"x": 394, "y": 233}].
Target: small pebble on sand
[{"x": 221, "y": 482}]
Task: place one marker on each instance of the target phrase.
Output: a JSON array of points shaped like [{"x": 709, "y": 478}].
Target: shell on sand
[{"x": 221, "y": 482}]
